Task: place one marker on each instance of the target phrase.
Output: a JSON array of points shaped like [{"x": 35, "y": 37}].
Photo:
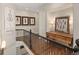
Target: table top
[{"x": 60, "y": 33}]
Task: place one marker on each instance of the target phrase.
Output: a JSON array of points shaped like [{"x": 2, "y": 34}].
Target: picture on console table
[
  {"x": 18, "y": 20},
  {"x": 32, "y": 20},
  {"x": 62, "y": 24},
  {"x": 25, "y": 20}
]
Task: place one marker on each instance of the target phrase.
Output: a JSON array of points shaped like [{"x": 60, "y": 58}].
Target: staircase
[{"x": 40, "y": 45}]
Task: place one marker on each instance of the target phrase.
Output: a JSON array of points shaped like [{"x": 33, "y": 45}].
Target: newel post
[{"x": 30, "y": 40}]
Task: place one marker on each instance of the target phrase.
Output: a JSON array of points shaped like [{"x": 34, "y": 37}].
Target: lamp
[
  {"x": 51, "y": 25},
  {"x": 3, "y": 45}
]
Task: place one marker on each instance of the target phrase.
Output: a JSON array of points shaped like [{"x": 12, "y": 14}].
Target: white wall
[
  {"x": 42, "y": 22},
  {"x": 48, "y": 13},
  {"x": 0, "y": 24},
  {"x": 76, "y": 22},
  {"x": 8, "y": 29},
  {"x": 34, "y": 28},
  {"x": 52, "y": 15},
  {"x": 30, "y": 14}
]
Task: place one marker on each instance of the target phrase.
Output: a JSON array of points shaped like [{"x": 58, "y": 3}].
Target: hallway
[{"x": 53, "y": 31}]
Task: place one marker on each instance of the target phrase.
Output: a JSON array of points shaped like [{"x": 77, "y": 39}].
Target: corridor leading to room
[
  {"x": 51, "y": 28},
  {"x": 39, "y": 28}
]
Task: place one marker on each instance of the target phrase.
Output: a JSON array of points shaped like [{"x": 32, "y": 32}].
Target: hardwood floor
[{"x": 43, "y": 47}]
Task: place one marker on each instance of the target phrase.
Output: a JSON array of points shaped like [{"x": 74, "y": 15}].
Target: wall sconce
[
  {"x": 51, "y": 23},
  {"x": 3, "y": 45},
  {"x": 70, "y": 22}
]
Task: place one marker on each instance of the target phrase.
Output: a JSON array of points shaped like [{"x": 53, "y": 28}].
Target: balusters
[{"x": 43, "y": 46}]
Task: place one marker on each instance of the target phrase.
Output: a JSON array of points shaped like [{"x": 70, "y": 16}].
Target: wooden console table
[{"x": 62, "y": 37}]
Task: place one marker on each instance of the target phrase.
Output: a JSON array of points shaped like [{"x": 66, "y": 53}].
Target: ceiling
[
  {"x": 58, "y": 6},
  {"x": 37, "y": 6},
  {"x": 28, "y": 6}
]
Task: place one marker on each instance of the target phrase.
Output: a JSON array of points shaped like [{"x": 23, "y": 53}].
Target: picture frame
[
  {"x": 62, "y": 24},
  {"x": 25, "y": 20},
  {"x": 18, "y": 20},
  {"x": 32, "y": 20}
]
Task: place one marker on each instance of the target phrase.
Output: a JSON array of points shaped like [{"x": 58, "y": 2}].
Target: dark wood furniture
[{"x": 61, "y": 37}]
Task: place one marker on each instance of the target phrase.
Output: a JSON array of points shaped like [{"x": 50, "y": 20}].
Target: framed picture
[
  {"x": 25, "y": 20},
  {"x": 32, "y": 20},
  {"x": 62, "y": 24},
  {"x": 18, "y": 20}
]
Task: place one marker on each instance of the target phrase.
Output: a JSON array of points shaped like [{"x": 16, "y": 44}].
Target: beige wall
[
  {"x": 42, "y": 22},
  {"x": 76, "y": 22},
  {"x": 52, "y": 15},
  {"x": 35, "y": 27},
  {"x": 0, "y": 24},
  {"x": 8, "y": 29}
]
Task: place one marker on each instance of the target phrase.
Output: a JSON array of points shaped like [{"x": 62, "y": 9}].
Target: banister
[{"x": 48, "y": 39}]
